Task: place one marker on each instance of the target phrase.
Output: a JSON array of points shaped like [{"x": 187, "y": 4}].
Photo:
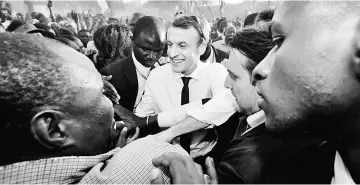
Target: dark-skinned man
[
  {"x": 129, "y": 75},
  {"x": 58, "y": 125},
  {"x": 310, "y": 80}
]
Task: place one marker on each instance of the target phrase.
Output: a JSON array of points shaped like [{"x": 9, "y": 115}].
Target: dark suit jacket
[
  {"x": 262, "y": 157},
  {"x": 220, "y": 55},
  {"x": 124, "y": 79}
]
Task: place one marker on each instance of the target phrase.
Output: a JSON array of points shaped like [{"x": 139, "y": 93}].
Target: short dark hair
[
  {"x": 46, "y": 29},
  {"x": 32, "y": 76},
  {"x": 149, "y": 25},
  {"x": 219, "y": 22},
  {"x": 265, "y": 15},
  {"x": 250, "y": 19},
  {"x": 14, "y": 25},
  {"x": 253, "y": 43},
  {"x": 222, "y": 26},
  {"x": 186, "y": 22},
  {"x": 63, "y": 31},
  {"x": 39, "y": 16},
  {"x": 84, "y": 30},
  {"x": 42, "y": 26}
]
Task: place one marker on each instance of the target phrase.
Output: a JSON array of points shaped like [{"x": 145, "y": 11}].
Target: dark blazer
[
  {"x": 219, "y": 54},
  {"x": 124, "y": 79},
  {"x": 262, "y": 157}
]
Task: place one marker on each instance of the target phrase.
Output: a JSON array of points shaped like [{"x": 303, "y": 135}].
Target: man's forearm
[
  {"x": 189, "y": 124},
  {"x": 52, "y": 15}
]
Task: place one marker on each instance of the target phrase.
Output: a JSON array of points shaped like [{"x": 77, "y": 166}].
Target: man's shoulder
[
  {"x": 160, "y": 72},
  {"x": 215, "y": 69},
  {"x": 219, "y": 42},
  {"x": 115, "y": 67},
  {"x": 132, "y": 164}
]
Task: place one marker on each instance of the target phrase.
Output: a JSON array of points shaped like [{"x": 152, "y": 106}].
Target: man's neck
[{"x": 192, "y": 68}]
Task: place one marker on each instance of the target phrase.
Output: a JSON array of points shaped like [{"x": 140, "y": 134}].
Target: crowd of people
[{"x": 96, "y": 100}]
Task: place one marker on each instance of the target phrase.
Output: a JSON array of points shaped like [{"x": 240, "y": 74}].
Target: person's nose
[
  {"x": 262, "y": 70},
  {"x": 152, "y": 55},
  {"x": 227, "y": 83},
  {"x": 173, "y": 51}
]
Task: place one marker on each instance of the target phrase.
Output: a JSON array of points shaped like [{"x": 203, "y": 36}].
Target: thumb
[
  {"x": 210, "y": 170},
  {"x": 156, "y": 177}
]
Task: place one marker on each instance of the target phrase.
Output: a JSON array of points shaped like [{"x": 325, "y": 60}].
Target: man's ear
[
  {"x": 48, "y": 129},
  {"x": 202, "y": 48},
  {"x": 356, "y": 52}
]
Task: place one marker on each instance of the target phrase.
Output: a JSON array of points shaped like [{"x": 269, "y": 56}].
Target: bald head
[{"x": 37, "y": 72}]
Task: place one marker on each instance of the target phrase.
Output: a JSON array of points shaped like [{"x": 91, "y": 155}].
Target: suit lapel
[{"x": 130, "y": 73}]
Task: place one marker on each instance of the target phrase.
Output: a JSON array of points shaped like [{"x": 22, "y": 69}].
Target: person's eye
[
  {"x": 182, "y": 46},
  {"x": 233, "y": 77},
  {"x": 145, "y": 49},
  {"x": 278, "y": 40}
]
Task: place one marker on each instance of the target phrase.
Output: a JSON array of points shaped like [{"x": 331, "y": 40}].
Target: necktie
[{"x": 185, "y": 139}]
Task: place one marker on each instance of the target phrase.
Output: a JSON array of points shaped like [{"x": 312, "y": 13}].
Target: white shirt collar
[
  {"x": 139, "y": 67},
  {"x": 341, "y": 173},
  {"x": 195, "y": 74},
  {"x": 256, "y": 119}
]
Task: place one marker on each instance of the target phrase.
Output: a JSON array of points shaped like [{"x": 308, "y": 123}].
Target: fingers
[
  {"x": 179, "y": 172},
  {"x": 106, "y": 78},
  {"x": 122, "y": 138},
  {"x": 134, "y": 137},
  {"x": 199, "y": 168},
  {"x": 157, "y": 177},
  {"x": 168, "y": 158},
  {"x": 119, "y": 125},
  {"x": 164, "y": 160},
  {"x": 210, "y": 170},
  {"x": 182, "y": 168}
]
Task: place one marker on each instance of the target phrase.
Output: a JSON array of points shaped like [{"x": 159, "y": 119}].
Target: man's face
[
  {"x": 113, "y": 21},
  {"x": 238, "y": 81},
  {"x": 5, "y": 12},
  {"x": 229, "y": 34},
  {"x": 148, "y": 49},
  {"x": 183, "y": 49},
  {"x": 84, "y": 37},
  {"x": 91, "y": 125},
  {"x": 306, "y": 78}
]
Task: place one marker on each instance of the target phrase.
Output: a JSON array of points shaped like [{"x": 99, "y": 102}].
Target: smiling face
[
  {"x": 307, "y": 78},
  {"x": 183, "y": 49}
]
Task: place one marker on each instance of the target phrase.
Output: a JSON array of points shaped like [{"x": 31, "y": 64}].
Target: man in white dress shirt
[
  {"x": 310, "y": 79},
  {"x": 186, "y": 79}
]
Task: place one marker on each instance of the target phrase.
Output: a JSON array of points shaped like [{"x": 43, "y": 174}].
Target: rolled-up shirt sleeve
[
  {"x": 222, "y": 104},
  {"x": 171, "y": 117}
]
